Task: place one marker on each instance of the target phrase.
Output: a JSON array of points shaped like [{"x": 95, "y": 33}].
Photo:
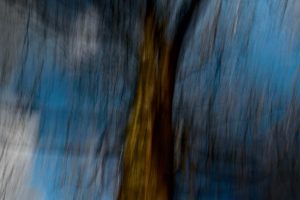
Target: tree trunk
[{"x": 148, "y": 153}]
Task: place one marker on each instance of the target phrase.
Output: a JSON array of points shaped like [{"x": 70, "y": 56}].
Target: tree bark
[
  {"x": 148, "y": 149},
  {"x": 148, "y": 152}
]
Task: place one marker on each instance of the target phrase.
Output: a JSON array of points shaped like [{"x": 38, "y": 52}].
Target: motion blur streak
[{"x": 149, "y": 99}]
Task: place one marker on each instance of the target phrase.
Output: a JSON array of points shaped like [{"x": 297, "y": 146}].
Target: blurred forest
[{"x": 178, "y": 99}]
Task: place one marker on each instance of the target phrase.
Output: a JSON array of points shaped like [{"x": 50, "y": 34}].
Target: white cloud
[{"x": 17, "y": 143}]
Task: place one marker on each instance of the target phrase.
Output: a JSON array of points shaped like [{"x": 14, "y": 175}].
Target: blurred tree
[{"x": 76, "y": 63}]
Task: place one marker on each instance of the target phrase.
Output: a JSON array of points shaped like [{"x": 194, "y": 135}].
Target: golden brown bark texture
[{"x": 148, "y": 151}]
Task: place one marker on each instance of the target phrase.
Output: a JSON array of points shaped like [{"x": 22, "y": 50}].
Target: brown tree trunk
[{"x": 148, "y": 153}]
